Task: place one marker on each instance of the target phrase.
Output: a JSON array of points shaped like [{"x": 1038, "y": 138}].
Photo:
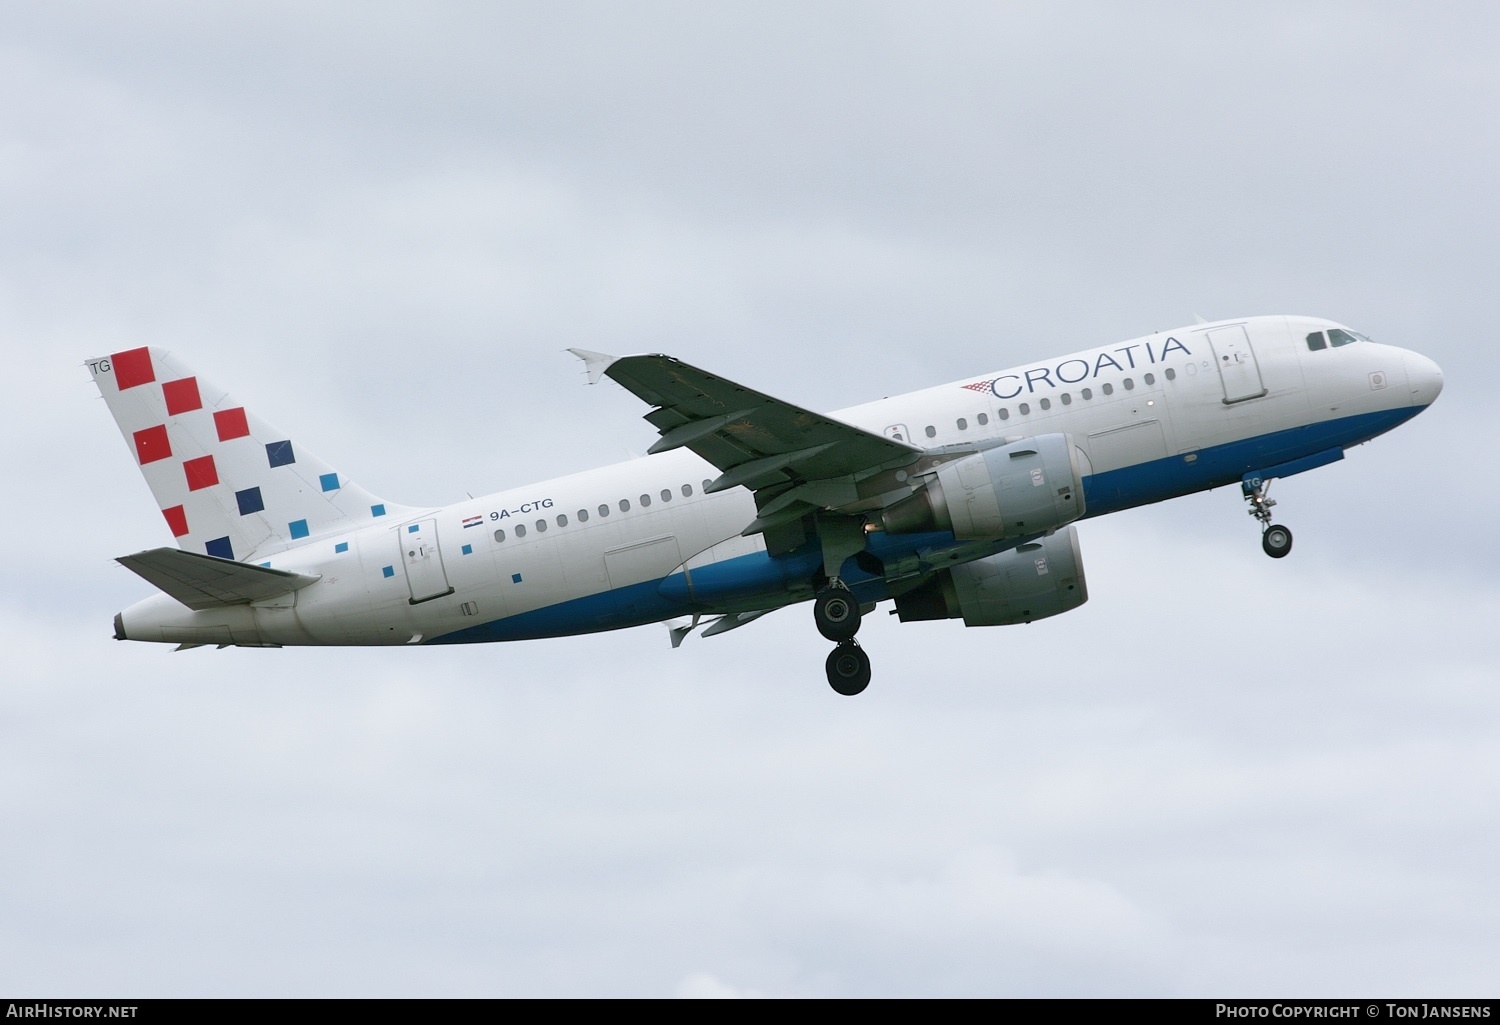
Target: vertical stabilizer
[{"x": 229, "y": 484}]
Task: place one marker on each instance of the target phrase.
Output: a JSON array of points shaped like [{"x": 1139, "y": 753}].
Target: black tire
[
  {"x": 1276, "y": 541},
  {"x": 848, "y": 669},
  {"x": 836, "y": 612}
]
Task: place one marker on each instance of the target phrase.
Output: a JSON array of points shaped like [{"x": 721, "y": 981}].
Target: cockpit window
[{"x": 1336, "y": 336}]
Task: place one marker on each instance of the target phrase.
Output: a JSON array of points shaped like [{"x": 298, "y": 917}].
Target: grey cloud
[{"x": 381, "y": 227}]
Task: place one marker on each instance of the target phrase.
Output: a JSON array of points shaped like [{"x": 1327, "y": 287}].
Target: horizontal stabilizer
[{"x": 204, "y": 582}]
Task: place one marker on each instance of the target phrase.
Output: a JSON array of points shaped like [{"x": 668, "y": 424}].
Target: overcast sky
[{"x": 381, "y": 224}]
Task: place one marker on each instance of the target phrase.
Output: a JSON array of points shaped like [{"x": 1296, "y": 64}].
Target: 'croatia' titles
[{"x": 1078, "y": 369}]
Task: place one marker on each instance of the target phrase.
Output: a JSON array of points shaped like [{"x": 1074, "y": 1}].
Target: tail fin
[{"x": 229, "y": 484}]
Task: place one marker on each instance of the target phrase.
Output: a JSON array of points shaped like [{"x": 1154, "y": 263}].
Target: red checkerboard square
[
  {"x": 152, "y": 444},
  {"x": 182, "y": 396},
  {"x": 132, "y": 367},
  {"x": 231, "y": 423},
  {"x": 176, "y": 519},
  {"x": 201, "y": 473}
]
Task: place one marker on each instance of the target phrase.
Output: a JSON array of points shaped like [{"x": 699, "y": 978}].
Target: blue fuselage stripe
[
  {"x": 1174, "y": 476},
  {"x": 747, "y": 576}
]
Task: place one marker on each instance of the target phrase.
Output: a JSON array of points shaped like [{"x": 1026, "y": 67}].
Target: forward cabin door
[
  {"x": 1239, "y": 372},
  {"x": 425, "y": 575}
]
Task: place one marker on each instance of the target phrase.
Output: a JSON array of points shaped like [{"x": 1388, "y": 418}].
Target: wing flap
[
  {"x": 204, "y": 582},
  {"x": 733, "y": 621}
]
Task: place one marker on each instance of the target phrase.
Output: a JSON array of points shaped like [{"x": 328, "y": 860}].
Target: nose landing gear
[{"x": 1275, "y": 540}]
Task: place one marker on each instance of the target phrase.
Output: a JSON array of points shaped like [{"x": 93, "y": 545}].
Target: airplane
[{"x": 954, "y": 502}]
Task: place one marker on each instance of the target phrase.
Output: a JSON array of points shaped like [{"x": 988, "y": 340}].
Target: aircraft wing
[
  {"x": 794, "y": 460},
  {"x": 204, "y": 582}
]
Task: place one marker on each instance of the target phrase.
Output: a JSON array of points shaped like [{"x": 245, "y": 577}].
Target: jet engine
[
  {"x": 1039, "y": 579},
  {"x": 1027, "y": 487}
]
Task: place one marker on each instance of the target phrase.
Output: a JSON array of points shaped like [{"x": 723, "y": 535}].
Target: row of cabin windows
[
  {"x": 983, "y": 419},
  {"x": 582, "y": 516},
  {"x": 1066, "y": 398}
]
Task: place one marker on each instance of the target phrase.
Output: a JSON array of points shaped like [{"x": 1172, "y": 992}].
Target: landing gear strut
[
  {"x": 835, "y": 609},
  {"x": 1275, "y": 540},
  {"x": 848, "y": 668}
]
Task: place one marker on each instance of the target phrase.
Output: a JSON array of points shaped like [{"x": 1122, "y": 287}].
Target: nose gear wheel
[{"x": 1275, "y": 540}]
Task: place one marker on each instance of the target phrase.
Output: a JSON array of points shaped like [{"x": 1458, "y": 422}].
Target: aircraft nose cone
[{"x": 1425, "y": 378}]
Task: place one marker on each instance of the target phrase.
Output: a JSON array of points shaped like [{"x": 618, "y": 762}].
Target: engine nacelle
[
  {"x": 1039, "y": 579},
  {"x": 1026, "y": 487}
]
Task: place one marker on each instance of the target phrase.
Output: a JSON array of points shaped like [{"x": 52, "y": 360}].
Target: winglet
[{"x": 596, "y": 363}]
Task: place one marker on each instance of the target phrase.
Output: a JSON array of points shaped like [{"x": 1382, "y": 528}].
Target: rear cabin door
[
  {"x": 1239, "y": 372},
  {"x": 425, "y": 575}
]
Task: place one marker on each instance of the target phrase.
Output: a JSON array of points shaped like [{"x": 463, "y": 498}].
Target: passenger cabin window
[
  {"x": 1129, "y": 384},
  {"x": 963, "y": 424},
  {"x": 666, "y": 494},
  {"x": 541, "y": 526},
  {"x": 687, "y": 491},
  {"x": 520, "y": 530},
  {"x": 931, "y": 431},
  {"x": 983, "y": 419},
  {"x": 1067, "y": 399},
  {"x": 1171, "y": 374},
  {"x": 603, "y": 511},
  {"x": 706, "y": 483},
  {"x": 1315, "y": 341},
  {"x": 1046, "y": 403},
  {"x": 1087, "y": 394},
  {"x": 499, "y": 535},
  {"x": 645, "y": 501},
  {"x": 624, "y": 505},
  {"x": 1150, "y": 379},
  {"x": 1107, "y": 388},
  {"x": 583, "y": 515},
  {"x": 1025, "y": 409},
  {"x": 1004, "y": 414},
  {"x": 562, "y": 519}
]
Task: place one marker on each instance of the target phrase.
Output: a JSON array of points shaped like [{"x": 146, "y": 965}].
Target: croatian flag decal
[{"x": 472, "y": 521}]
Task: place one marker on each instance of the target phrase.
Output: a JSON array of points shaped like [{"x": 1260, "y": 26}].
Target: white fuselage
[{"x": 1160, "y": 416}]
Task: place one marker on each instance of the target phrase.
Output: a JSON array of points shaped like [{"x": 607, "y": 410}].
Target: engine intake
[
  {"x": 1027, "y": 487},
  {"x": 1039, "y": 579}
]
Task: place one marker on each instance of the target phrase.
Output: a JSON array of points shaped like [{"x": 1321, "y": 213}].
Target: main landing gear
[
  {"x": 836, "y": 612},
  {"x": 848, "y": 668},
  {"x": 1275, "y": 540}
]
